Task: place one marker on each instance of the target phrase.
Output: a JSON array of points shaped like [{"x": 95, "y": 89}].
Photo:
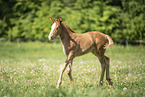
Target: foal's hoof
[
  {"x": 110, "y": 82},
  {"x": 101, "y": 83},
  {"x": 57, "y": 87}
]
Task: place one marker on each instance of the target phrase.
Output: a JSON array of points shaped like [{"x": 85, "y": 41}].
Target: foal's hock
[{"x": 76, "y": 44}]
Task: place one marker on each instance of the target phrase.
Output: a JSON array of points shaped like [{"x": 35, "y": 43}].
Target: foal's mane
[{"x": 67, "y": 28}]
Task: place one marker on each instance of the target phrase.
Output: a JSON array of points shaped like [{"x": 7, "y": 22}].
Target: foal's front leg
[
  {"x": 61, "y": 74},
  {"x": 69, "y": 71},
  {"x": 69, "y": 59}
]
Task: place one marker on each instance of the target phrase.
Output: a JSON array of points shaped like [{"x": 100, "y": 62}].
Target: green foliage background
[{"x": 29, "y": 19}]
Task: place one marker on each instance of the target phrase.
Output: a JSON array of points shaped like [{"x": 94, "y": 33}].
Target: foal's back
[
  {"x": 100, "y": 39},
  {"x": 93, "y": 38},
  {"x": 100, "y": 42},
  {"x": 89, "y": 41}
]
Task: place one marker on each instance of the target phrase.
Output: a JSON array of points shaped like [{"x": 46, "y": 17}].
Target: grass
[{"x": 31, "y": 69}]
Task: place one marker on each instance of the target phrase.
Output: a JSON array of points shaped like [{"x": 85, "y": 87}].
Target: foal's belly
[
  {"x": 84, "y": 45},
  {"x": 82, "y": 52}
]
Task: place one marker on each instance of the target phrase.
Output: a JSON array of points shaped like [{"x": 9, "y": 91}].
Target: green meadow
[{"x": 31, "y": 69}]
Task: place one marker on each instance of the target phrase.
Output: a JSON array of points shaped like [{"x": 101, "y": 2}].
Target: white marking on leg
[{"x": 52, "y": 28}]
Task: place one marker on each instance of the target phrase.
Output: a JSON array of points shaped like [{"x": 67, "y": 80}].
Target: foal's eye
[{"x": 57, "y": 28}]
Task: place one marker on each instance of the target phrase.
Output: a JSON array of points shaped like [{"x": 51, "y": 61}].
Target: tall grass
[{"x": 31, "y": 69}]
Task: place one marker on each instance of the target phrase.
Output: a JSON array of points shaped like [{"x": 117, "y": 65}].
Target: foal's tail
[{"x": 110, "y": 42}]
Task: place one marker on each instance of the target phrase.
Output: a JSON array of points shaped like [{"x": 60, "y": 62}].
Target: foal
[{"x": 76, "y": 44}]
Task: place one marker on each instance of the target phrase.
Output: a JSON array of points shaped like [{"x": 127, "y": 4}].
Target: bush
[{"x": 121, "y": 19}]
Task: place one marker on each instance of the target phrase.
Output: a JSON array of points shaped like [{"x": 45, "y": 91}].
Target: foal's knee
[
  {"x": 68, "y": 70},
  {"x": 107, "y": 59},
  {"x": 103, "y": 66}
]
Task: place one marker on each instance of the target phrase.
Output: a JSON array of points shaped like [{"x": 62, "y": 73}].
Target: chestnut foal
[{"x": 76, "y": 44}]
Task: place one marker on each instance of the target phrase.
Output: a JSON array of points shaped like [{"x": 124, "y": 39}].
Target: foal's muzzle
[{"x": 51, "y": 37}]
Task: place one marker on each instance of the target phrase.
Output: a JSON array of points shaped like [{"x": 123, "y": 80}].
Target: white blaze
[{"x": 52, "y": 28}]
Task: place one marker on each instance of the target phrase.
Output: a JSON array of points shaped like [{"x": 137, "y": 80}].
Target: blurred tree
[
  {"x": 121, "y": 19},
  {"x": 6, "y": 13},
  {"x": 131, "y": 20},
  {"x": 23, "y": 17}
]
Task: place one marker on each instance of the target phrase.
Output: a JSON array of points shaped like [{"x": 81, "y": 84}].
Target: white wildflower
[
  {"x": 118, "y": 62},
  {"x": 14, "y": 73},
  {"x": 41, "y": 60},
  {"x": 124, "y": 88}
]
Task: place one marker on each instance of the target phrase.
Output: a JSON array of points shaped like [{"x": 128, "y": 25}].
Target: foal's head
[{"x": 55, "y": 28}]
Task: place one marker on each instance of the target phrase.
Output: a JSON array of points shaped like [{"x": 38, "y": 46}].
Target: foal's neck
[{"x": 66, "y": 33}]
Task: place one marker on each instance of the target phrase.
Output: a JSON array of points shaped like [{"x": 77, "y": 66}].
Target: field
[{"x": 31, "y": 69}]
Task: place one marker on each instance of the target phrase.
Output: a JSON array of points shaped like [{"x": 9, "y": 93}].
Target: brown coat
[{"x": 76, "y": 44}]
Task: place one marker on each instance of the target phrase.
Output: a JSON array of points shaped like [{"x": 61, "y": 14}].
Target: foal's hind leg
[
  {"x": 107, "y": 59},
  {"x": 102, "y": 61},
  {"x": 103, "y": 66}
]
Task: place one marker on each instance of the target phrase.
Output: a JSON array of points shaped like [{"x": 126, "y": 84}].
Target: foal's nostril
[{"x": 52, "y": 37}]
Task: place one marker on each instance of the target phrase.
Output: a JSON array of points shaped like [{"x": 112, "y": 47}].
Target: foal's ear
[
  {"x": 52, "y": 19},
  {"x": 60, "y": 19}
]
